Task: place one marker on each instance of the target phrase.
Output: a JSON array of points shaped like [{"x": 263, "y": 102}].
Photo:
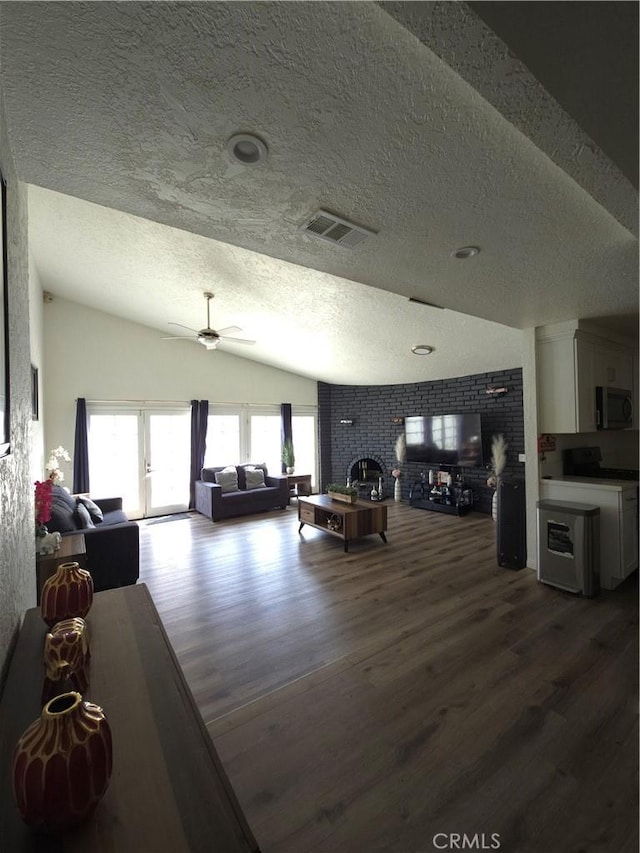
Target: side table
[
  {"x": 72, "y": 548},
  {"x": 299, "y": 484}
]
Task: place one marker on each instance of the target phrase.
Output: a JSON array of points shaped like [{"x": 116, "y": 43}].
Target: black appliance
[
  {"x": 444, "y": 439},
  {"x": 512, "y": 524},
  {"x": 585, "y": 462},
  {"x": 614, "y": 408}
]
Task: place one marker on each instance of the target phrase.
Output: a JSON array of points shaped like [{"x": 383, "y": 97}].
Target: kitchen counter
[{"x": 590, "y": 482}]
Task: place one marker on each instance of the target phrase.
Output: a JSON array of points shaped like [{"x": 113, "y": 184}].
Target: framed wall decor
[
  {"x": 34, "y": 394},
  {"x": 4, "y": 328}
]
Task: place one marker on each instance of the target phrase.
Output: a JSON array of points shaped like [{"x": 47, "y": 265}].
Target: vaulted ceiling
[{"x": 413, "y": 120}]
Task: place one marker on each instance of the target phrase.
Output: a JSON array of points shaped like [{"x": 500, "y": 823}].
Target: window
[
  {"x": 223, "y": 440},
  {"x": 303, "y": 427},
  {"x": 240, "y": 434}
]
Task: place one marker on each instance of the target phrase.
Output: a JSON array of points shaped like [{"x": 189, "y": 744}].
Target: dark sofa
[
  {"x": 216, "y": 503},
  {"x": 112, "y": 542}
]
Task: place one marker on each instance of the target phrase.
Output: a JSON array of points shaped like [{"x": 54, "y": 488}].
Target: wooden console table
[
  {"x": 344, "y": 520},
  {"x": 169, "y": 792}
]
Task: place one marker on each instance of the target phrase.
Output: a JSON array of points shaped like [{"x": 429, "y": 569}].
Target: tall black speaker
[{"x": 512, "y": 524}]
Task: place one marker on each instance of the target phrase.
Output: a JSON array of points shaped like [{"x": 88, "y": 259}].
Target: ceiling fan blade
[
  {"x": 236, "y": 340},
  {"x": 228, "y": 329},
  {"x": 179, "y": 338},
  {"x": 195, "y": 331}
]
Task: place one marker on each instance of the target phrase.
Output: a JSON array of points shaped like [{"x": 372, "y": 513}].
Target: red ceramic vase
[
  {"x": 62, "y": 764},
  {"x": 66, "y": 594}
]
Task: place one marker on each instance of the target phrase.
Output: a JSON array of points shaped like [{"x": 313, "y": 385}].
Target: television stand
[{"x": 454, "y": 500}]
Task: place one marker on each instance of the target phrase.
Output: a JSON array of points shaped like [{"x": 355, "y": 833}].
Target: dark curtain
[
  {"x": 199, "y": 415},
  {"x": 81, "y": 449},
  {"x": 286, "y": 430}
]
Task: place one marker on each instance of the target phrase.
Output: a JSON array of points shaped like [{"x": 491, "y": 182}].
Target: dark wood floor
[{"x": 367, "y": 701}]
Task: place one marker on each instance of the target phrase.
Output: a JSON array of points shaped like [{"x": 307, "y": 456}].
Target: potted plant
[
  {"x": 288, "y": 456},
  {"x": 338, "y": 492}
]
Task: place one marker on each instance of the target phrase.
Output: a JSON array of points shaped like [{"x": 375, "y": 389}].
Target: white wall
[
  {"x": 17, "y": 551},
  {"x": 100, "y": 357},
  {"x": 36, "y": 346}
]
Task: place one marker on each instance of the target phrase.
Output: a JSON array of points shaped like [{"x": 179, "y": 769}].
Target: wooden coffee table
[{"x": 343, "y": 520}]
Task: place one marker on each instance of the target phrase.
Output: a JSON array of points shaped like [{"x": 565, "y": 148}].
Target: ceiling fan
[{"x": 208, "y": 337}]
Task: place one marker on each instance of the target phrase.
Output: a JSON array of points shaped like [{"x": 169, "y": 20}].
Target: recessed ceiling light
[
  {"x": 422, "y": 349},
  {"x": 246, "y": 149},
  {"x": 465, "y": 252}
]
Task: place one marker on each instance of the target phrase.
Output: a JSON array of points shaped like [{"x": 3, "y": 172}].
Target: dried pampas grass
[
  {"x": 498, "y": 454},
  {"x": 401, "y": 448}
]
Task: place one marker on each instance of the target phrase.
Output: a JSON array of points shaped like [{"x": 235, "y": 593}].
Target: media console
[{"x": 455, "y": 500}]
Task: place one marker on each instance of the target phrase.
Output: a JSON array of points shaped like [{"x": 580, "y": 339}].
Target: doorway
[{"x": 141, "y": 454}]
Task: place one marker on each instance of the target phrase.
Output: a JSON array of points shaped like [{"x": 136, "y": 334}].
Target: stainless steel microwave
[{"x": 614, "y": 408}]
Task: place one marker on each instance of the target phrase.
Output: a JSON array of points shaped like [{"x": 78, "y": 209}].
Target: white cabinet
[
  {"x": 629, "y": 531},
  {"x": 614, "y": 366},
  {"x": 618, "y": 502},
  {"x": 570, "y": 363},
  {"x": 566, "y": 384}
]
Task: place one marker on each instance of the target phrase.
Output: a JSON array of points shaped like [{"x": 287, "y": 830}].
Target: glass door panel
[
  {"x": 115, "y": 451},
  {"x": 168, "y": 462}
]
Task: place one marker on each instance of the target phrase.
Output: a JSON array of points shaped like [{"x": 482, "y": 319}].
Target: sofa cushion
[
  {"x": 63, "y": 511},
  {"x": 94, "y": 510},
  {"x": 242, "y": 480},
  {"x": 227, "y": 479},
  {"x": 83, "y": 518},
  {"x": 254, "y": 477}
]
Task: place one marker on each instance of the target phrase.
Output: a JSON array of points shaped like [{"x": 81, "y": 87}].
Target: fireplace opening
[{"x": 364, "y": 474}]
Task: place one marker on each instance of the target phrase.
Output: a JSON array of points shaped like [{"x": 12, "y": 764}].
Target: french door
[{"x": 142, "y": 455}]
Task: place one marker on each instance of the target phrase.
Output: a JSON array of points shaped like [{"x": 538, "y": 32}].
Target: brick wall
[{"x": 373, "y": 433}]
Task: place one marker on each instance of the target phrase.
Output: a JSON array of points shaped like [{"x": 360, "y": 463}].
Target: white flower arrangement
[{"x": 53, "y": 465}]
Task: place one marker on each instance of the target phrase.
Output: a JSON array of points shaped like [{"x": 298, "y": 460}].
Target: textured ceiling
[{"x": 412, "y": 119}]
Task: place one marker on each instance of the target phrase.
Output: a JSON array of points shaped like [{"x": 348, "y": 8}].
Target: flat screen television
[{"x": 454, "y": 440}]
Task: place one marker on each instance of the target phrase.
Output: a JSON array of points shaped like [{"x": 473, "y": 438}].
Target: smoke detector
[{"x": 335, "y": 229}]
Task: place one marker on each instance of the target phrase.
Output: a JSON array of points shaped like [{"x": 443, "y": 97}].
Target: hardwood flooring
[{"x": 367, "y": 701}]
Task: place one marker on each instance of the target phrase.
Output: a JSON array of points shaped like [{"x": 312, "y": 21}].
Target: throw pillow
[
  {"x": 83, "y": 517},
  {"x": 254, "y": 477},
  {"x": 95, "y": 513},
  {"x": 228, "y": 479},
  {"x": 63, "y": 513}
]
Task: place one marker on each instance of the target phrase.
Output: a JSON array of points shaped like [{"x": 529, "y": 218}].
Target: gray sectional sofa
[{"x": 221, "y": 495}]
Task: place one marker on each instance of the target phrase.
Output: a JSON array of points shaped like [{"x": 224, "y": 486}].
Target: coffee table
[{"x": 342, "y": 520}]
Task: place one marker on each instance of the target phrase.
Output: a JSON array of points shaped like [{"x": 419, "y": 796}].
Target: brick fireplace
[{"x": 365, "y": 471}]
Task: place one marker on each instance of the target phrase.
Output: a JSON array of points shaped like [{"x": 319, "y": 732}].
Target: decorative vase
[
  {"x": 397, "y": 490},
  {"x": 66, "y": 594},
  {"x": 290, "y": 469},
  {"x": 494, "y": 505},
  {"x": 62, "y": 763},
  {"x": 66, "y": 657}
]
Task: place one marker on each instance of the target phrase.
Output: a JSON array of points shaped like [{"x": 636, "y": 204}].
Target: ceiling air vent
[{"x": 333, "y": 228}]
